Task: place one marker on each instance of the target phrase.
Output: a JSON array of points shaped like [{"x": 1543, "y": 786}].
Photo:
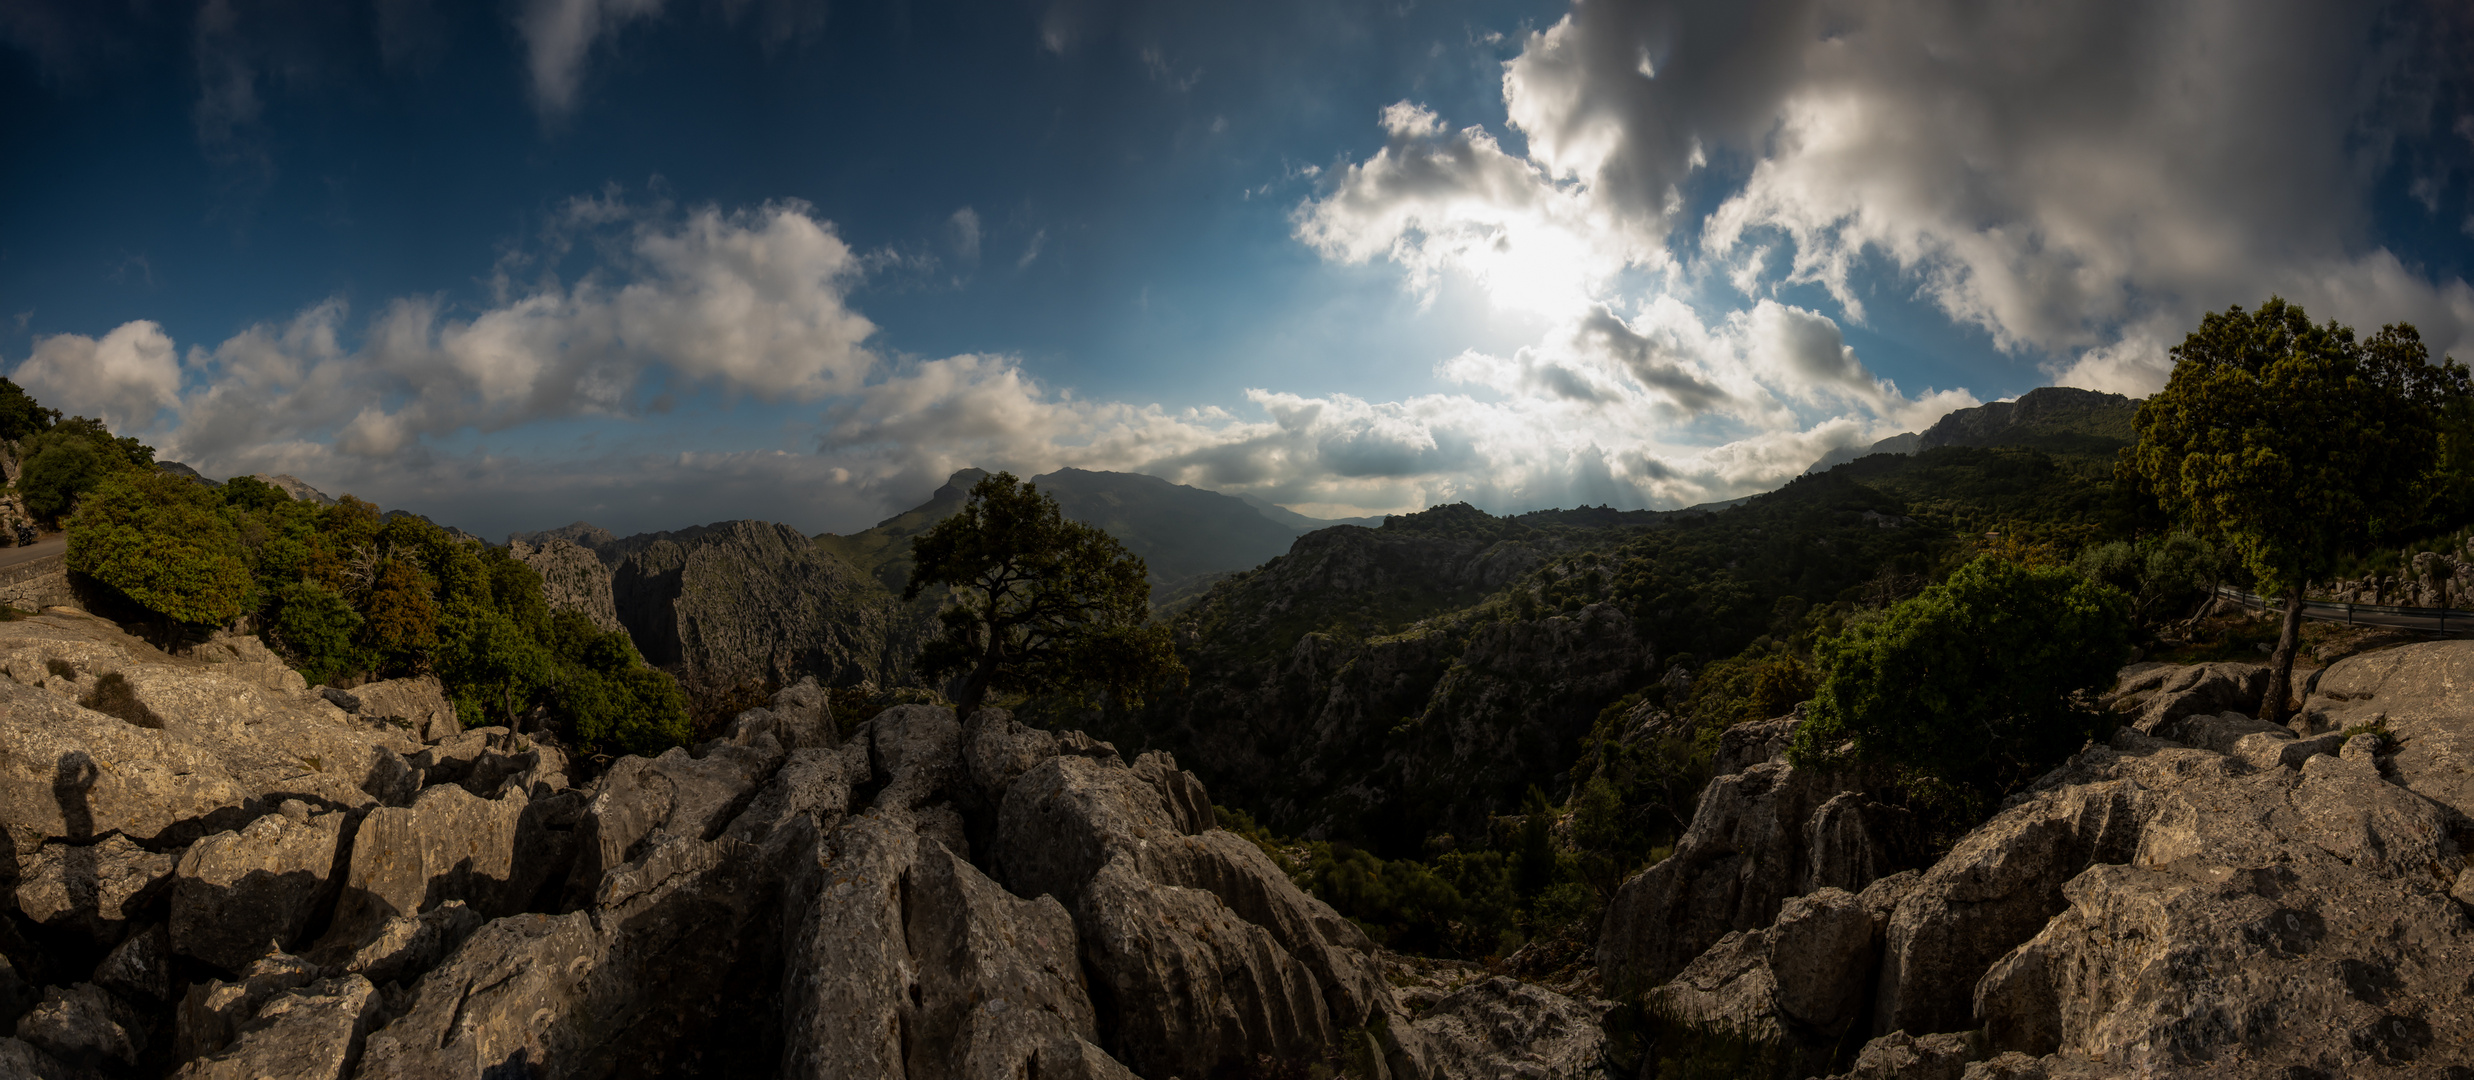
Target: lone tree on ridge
[
  {"x": 2295, "y": 443},
  {"x": 1040, "y": 602}
]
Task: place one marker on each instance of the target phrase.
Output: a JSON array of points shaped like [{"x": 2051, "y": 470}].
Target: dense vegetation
[{"x": 343, "y": 592}]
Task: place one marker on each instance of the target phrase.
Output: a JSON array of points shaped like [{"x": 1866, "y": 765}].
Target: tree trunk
[{"x": 2281, "y": 675}]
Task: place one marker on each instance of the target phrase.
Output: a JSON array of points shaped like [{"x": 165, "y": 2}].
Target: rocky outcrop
[
  {"x": 925, "y": 899},
  {"x": 751, "y": 601},
  {"x": 2257, "y": 904},
  {"x": 573, "y": 578}
]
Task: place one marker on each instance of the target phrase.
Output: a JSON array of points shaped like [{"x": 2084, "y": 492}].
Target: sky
[{"x": 654, "y": 263}]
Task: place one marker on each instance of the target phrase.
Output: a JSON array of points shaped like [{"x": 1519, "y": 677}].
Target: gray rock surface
[
  {"x": 448, "y": 845},
  {"x": 572, "y": 578},
  {"x": 519, "y": 997},
  {"x": 752, "y": 601},
  {"x": 211, "y": 1013},
  {"x": 313, "y": 1033},
  {"x": 419, "y": 705},
  {"x": 140, "y": 967},
  {"x": 1503, "y": 1027},
  {"x": 83, "y": 1025},
  {"x": 96, "y": 888},
  {"x": 23, "y": 1060},
  {"x": 236, "y": 893}
]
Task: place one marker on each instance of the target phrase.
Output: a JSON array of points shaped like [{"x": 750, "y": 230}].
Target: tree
[
  {"x": 2294, "y": 443},
  {"x": 1971, "y": 682},
  {"x": 164, "y": 543},
  {"x": 1039, "y": 602},
  {"x": 21, "y": 415}
]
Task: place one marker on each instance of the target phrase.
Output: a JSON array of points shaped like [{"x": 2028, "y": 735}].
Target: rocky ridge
[
  {"x": 2202, "y": 895},
  {"x": 216, "y": 871}
]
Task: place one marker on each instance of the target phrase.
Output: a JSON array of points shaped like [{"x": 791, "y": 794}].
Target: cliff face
[
  {"x": 572, "y": 579},
  {"x": 1387, "y": 738},
  {"x": 754, "y": 601}
]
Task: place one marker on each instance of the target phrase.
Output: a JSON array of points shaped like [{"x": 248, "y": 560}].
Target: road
[
  {"x": 2441, "y": 620},
  {"x": 49, "y": 544}
]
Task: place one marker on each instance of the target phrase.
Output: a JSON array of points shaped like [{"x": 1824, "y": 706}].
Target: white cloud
[
  {"x": 124, "y": 378},
  {"x": 962, "y": 230},
  {"x": 560, "y": 34},
  {"x": 2080, "y": 182}
]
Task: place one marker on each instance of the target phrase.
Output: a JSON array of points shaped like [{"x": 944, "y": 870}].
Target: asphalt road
[
  {"x": 2435, "y": 619},
  {"x": 51, "y": 544}
]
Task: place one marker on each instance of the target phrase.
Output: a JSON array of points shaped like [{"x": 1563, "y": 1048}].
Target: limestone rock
[
  {"x": 572, "y": 579},
  {"x": 211, "y": 1013},
  {"x": 646, "y": 802},
  {"x": 752, "y": 601},
  {"x": 419, "y": 705},
  {"x": 313, "y": 1033},
  {"x": 234, "y": 892},
  {"x": 2202, "y": 689},
  {"x": 448, "y": 845},
  {"x": 2220, "y": 732},
  {"x": 19, "y": 1058},
  {"x": 1900, "y": 1056},
  {"x": 408, "y": 945},
  {"x": 996, "y": 749},
  {"x": 96, "y": 888},
  {"x": 140, "y": 967},
  {"x": 918, "y": 748},
  {"x": 1746, "y": 851},
  {"x": 516, "y": 1000},
  {"x": 1503, "y": 1027},
  {"x": 83, "y": 1025},
  {"x": 912, "y": 963},
  {"x": 799, "y": 716},
  {"x": 2424, "y": 695},
  {"x": 2216, "y": 944},
  {"x": 1798, "y": 983}
]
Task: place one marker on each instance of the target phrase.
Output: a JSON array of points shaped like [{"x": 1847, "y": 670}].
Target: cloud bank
[{"x": 1671, "y": 187}]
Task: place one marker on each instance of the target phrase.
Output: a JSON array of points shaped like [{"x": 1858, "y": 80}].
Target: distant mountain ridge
[{"x": 2055, "y": 419}]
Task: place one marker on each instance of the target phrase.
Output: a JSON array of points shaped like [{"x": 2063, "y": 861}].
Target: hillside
[{"x": 2060, "y": 420}]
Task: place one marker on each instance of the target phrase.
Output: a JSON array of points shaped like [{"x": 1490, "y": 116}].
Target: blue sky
[{"x": 658, "y": 262}]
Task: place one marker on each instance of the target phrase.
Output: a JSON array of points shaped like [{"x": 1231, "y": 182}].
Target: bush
[
  {"x": 56, "y": 474},
  {"x": 1974, "y": 682},
  {"x": 162, "y": 542},
  {"x": 318, "y": 627}
]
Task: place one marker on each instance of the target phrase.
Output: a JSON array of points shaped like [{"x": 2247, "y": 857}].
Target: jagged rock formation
[
  {"x": 572, "y": 578},
  {"x": 2224, "y": 900},
  {"x": 752, "y": 601},
  {"x": 1392, "y": 738},
  {"x": 247, "y": 879}
]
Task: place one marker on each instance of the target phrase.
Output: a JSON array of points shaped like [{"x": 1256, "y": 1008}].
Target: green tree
[
  {"x": 1039, "y": 602},
  {"x": 164, "y": 543},
  {"x": 317, "y": 627},
  {"x": 1973, "y": 682},
  {"x": 251, "y": 493},
  {"x": 21, "y": 415},
  {"x": 2294, "y": 443}
]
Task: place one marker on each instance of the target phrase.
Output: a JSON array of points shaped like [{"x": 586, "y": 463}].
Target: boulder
[
  {"x": 644, "y": 803},
  {"x": 405, "y": 946},
  {"x": 211, "y": 1013},
  {"x": 1900, "y": 1056},
  {"x": 2217, "y": 941},
  {"x": 2200, "y": 689},
  {"x": 140, "y": 967},
  {"x": 448, "y": 845},
  {"x": 312, "y": 1033},
  {"x": 84, "y": 1025},
  {"x": 1503, "y": 1027},
  {"x": 96, "y": 888},
  {"x": 1797, "y": 984},
  {"x": 2001, "y": 882},
  {"x": 2424, "y": 695},
  {"x": 235, "y": 892},
  {"x": 2220, "y": 732},
  {"x": 1746, "y": 851},
  {"x": 519, "y": 999},
  {"x": 21, "y": 1059},
  {"x": 912, "y": 963}
]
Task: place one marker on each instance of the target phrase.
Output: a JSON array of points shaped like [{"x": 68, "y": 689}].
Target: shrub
[
  {"x": 162, "y": 542},
  {"x": 1974, "y": 682},
  {"x": 317, "y": 626}
]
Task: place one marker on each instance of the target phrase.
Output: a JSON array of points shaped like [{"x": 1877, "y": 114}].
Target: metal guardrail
[{"x": 2411, "y": 618}]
